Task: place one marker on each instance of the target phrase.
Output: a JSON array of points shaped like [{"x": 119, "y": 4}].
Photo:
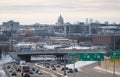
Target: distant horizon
[
  {"x": 48, "y": 11},
  {"x": 102, "y": 22}
]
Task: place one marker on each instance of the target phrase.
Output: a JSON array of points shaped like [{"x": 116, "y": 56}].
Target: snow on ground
[
  {"x": 2, "y": 73},
  {"x": 71, "y": 47},
  {"x": 51, "y": 46},
  {"x": 4, "y": 60},
  {"x": 8, "y": 59},
  {"x": 80, "y": 64},
  {"x": 79, "y": 47}
]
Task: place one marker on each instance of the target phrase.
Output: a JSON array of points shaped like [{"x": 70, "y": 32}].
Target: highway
[
  {"x": 90, "y": 71},
  {"x": 86, "y": 71},
  {"x": 11, "y": 70}
]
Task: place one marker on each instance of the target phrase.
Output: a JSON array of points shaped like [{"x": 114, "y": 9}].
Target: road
[
  {"x": 89, "y": 71},
  {"x": 12, "y": 67}
]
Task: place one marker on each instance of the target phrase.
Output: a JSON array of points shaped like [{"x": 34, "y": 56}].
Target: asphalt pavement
[{"x": 89, "y": 71}]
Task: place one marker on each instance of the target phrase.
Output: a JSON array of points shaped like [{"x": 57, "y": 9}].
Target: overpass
[{"x": 57, "y": 52}]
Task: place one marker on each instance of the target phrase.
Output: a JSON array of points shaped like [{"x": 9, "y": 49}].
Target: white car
[{"x": 40, "y": 72}]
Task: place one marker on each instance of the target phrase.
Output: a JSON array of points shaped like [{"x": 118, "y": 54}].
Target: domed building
[{"x": 60, "y": 21}]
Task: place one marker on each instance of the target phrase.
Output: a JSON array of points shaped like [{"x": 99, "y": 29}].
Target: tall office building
[{"x": 86, "y": 22}]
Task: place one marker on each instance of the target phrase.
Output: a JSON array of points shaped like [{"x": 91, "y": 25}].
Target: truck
[{"x": 25, "y": 69}]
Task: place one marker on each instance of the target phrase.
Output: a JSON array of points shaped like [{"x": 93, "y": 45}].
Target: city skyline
[{"x": 48, "y": 11}]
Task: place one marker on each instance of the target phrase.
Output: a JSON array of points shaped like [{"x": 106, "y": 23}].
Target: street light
[
  {"x": 114, "y": 60},
  {"x": 74, "y": 59},
  {"x": 65, "y": 75},
  {"x": 73, "y": 48},
  {"x": 11, "y": 39}
]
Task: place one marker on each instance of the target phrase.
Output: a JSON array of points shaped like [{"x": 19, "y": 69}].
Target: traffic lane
[
  {"x": 88, "y": 71},
  {"x": 46, "y": 74},
  {"x": 59, "y": 70},
  {"x": 12, "y": 68},
  {"x": 96, "y": 72}
]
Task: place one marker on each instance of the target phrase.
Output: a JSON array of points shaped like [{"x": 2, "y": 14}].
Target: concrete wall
[{"x": 50, "y": 71}]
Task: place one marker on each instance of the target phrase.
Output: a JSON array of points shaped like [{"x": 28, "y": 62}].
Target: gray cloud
[
  {"x": 71, "y": 4},
  {"x": 69, "y": 7}
]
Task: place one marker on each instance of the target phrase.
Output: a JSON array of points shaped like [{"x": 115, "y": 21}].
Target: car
[
  {"x": 57, "y": 65},
  {"x": 18, "y": 70},
  {"x": 40, "y": 72},
  {"x": 13, "y": 74},
  {"x": 10, "y": 70},
  {"x": 26, "y": 75},
  {"x": 70, "y": 71},
  {"x": 31, "y": 72},
  {"x": 76, "y": 70},
  {"x": 36, "y": 71},
  {"x": 63, "y": 69},
  {"x": 52, "y": 65},
  {"x": 8, "y": 67},
  {"x": 46, "y": 63},
  {"x": 53, "y": 68},
  {"x": 47, "y": 66},
  {"x": 33, "y": 69},
  {"x": 61, "y": 63}
]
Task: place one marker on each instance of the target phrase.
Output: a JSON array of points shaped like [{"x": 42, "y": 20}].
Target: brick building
[{"x": 107, "y": 40}]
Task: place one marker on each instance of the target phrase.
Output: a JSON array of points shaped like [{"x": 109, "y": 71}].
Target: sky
[{"x": 48, "y": 11}]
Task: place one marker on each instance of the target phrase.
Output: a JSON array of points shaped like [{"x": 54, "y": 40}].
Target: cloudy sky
[{"x": 47, "y": 11}]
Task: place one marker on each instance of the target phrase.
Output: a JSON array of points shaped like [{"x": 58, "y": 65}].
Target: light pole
[
  {"x": 64, "y": 65},
  {"x": 74, "y": 59},
  {"x": 74, "y": 66},
  {"x": 114, "y": 60},
  {"x": 11, "y": 39}
]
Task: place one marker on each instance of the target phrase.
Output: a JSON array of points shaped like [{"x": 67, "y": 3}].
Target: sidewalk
[{"x": 98, "y": 68}]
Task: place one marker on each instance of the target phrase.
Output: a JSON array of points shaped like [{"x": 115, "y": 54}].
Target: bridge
[{"x": 57, "y": 52}]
